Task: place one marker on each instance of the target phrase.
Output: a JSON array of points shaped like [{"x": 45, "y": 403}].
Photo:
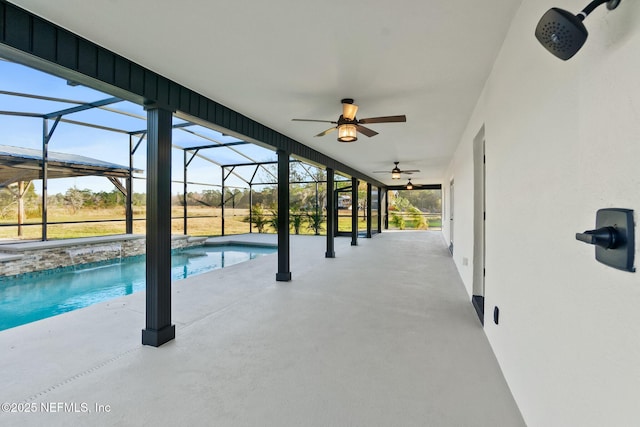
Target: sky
[{"x": 107, "y": 145}]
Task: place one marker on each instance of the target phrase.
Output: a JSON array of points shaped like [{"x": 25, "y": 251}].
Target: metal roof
[{"x": 25, "y": 164}]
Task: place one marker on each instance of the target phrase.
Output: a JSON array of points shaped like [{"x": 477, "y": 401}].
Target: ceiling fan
[
  {"x": 348, "y": 125},
  {"x": 396, "y": 172},
  {"x": 410, "y": 186}
]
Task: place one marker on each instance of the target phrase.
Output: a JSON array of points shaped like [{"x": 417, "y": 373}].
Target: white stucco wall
[{"x": 562, "y": 141}]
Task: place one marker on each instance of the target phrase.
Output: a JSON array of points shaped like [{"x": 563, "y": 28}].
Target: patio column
[
  {"x": 368, "y": 210},
  {"x": 185, "y": 212},
  {"x": 331, "y": 207},
  {"x": 222, "y": 203},
  {"x": 159, "y": 329},
  {"x": 283, "y": 275},
  {"x": 250, "y": 208},
  {"x": 354, "y": 211},
  {"x": 386, "y": 209},
  {"x": 129, "y": 195},
  {"x": 380, "y": 213}
]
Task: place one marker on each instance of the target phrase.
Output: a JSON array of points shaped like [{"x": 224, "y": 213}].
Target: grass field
[{"x": 202, "y": 221}]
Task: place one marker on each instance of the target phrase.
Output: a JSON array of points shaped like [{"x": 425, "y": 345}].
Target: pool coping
[
  {"x": 17, "y": 259},
  {"x": 11, "y": 251},
  {"x": 62, "y": 243},
  {"x": 240, "y": 243},
  {"x": 130, "y": 258},
  {"x": 24, "y": 251}
]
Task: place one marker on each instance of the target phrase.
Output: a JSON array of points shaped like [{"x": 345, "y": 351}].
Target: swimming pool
[{"x": 35, "y": 297}]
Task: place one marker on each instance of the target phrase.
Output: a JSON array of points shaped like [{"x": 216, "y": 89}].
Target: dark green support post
[
  {"x": 386, "y": 209},
  {"x": 380, "y": 213},
  {"x": 159, "y": 329},
  {"x": 331, "y": 207},
  {"x": 129, "y": 196},
  {"x": 222, "y": 204},
  {"x": 45, "y": 176},
  {"x": 368, "y": 210},
  {"x": 354, "y": 211},
  {"x": 283, "y": 275}
]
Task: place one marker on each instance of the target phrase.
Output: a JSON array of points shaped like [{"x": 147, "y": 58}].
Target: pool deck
[{"x": 382, "y": 335}]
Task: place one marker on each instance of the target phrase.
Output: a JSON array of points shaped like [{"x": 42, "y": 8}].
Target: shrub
[
  {"x": 314, "y": 221},
  {"x": 397, "y": 221},
  {"x": 296, "y": 218},
  {"x": 258, "y": 218},
  {"x": 417, "y": 218}
]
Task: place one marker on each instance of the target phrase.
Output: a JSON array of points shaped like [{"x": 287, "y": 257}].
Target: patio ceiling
[{"x": 286, "y": 59}]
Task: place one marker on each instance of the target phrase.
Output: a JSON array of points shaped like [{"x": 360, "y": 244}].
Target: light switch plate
[{"x": 622, "y": 256}]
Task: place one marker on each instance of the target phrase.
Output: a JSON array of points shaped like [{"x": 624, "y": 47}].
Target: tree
[
  {"x": 425, "y": 200},
  {"x": 233, "y": 197},
  {"x": 139, "y": 199},
  {"x": 401, "y": 203},
  {"x": 74, "y": 199},
  {"x": 8, "y": 204},
  {"x": 266, "y": 197},
  {"x": 110, "y": 199},
  {"x": 211, "y": 197}
]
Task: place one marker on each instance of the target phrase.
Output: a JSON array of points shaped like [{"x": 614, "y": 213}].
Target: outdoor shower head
[{"x": 562, "y": 33}]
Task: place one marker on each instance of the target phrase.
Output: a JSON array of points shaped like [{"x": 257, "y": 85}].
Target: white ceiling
[{"x": 281, "y": 59}]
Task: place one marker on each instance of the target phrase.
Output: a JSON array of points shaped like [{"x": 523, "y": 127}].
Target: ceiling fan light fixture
[
  {"x": 409, "y": 185},
  {"x": 395, "y": 173},
  {"x": 349, "y": 127},
  {"x": 347, "y": 133}
]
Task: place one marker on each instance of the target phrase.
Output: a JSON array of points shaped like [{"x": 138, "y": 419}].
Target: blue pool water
[{"x": 27, "y": 299}]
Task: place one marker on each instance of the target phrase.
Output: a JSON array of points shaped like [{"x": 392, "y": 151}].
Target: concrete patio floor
[{"x": 382, "y": 335}]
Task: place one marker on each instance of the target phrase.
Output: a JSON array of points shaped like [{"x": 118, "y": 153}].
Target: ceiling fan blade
[
  {"x": 349, "y": 111},
  {"x": 312, "y": 120},
  {"x": 411, "y": 171},
  {"x": 381, "y": 172},
  {"x": 366, "y": 131},
  {"x": 327, "y": 131},
  {"x": 386, "y": 119}
]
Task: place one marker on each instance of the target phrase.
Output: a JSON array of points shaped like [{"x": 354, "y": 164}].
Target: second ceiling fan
[
  {"x": 396, "y": 172},
  {"x": 348, "y": 126}
]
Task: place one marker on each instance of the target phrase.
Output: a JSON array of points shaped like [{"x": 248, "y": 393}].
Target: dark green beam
[{"x": 416, "y": 187}]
